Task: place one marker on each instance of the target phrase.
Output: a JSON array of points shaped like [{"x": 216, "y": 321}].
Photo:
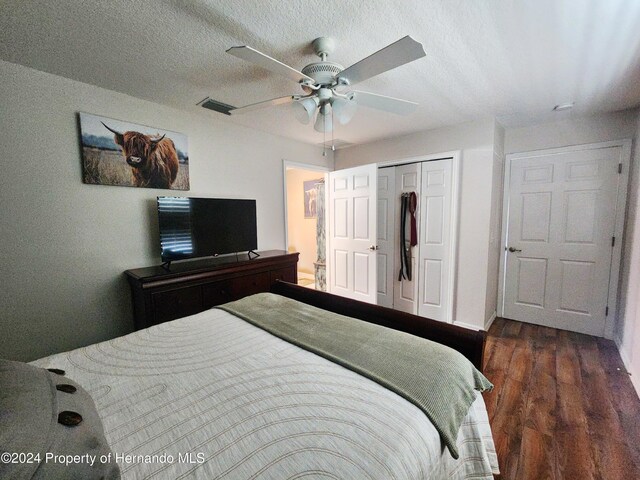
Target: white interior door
[
  {"x": 405, "y": 291},
  {"x": 561, "y": 217},
  {"x": 352, "y": 232},
  {"x": 435, "y": 240},
  {"x": 386, "y": 235}
]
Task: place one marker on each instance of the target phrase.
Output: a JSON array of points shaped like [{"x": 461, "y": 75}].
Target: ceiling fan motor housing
[{"x": 323, "y": 73}]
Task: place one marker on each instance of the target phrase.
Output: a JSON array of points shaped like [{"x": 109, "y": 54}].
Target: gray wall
[{"x": 65, "y": 244}]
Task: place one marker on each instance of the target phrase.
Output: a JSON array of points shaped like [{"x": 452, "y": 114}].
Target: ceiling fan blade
[
  {"x": 265, "y": 104},
  {"x": 265, "y": 61},
  {"x": 382, "y": 102},
  {"x": 398, "y": 53}
]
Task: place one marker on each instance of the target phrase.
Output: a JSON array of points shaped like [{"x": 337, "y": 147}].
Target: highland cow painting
[{"x": 121, "y": 153}]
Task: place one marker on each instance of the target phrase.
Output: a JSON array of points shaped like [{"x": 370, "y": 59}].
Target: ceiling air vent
[{"x": 216, "y": 106}]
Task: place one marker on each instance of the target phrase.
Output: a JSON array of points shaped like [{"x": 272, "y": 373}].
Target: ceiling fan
[{"x": 326, "y": 84}]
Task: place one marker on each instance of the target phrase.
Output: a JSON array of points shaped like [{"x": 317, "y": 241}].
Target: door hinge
[
  {"x": 619, "y": 168},
  {"x": 606, "y": 311},
  {"x": 613, "y": 241}
]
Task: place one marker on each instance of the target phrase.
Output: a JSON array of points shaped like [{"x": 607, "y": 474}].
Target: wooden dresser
[{"x": 160, "y": 295}]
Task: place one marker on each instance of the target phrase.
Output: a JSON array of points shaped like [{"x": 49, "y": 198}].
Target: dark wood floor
[{"x": 563, "y": 406}]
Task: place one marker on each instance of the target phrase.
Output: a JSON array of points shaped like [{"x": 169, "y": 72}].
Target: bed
[{"x": 214, "y": 396}]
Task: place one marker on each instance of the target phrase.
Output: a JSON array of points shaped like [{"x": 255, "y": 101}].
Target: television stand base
[
  {"x": 166, "y": 265},
  {"x": 256, "y": 254}
]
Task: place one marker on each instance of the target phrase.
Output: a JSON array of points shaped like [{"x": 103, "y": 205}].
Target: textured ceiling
[{"x": 510, "y": 59}]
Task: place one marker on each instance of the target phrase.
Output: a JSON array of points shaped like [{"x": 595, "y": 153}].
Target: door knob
[
  {"x": 373, "y": 247},
  {"x": 513, "y": 250}
]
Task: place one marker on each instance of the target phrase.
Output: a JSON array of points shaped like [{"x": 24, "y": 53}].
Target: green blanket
[{"x": 437, "y": 379}]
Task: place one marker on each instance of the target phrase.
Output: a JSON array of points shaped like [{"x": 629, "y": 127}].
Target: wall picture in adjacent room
[
  {"x": 311, "y": 198},
  {"x": 116, "y": 152}
]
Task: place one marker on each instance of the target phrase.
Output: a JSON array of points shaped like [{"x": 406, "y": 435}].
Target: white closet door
[
  {"x": 435, "y": 238},
  {"x": 386, "y": 235},
  {"x": 352, "y": 233},
  {"x": 405, "y": 292}
]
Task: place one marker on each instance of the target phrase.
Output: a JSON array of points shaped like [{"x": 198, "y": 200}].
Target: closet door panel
[
  {"x": 386, "y": 235},
  {"x": 405, "y": 292},
  {"x": 435, "y": 241}
]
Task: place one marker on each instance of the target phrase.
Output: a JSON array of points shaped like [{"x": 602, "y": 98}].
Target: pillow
[{"x": 45, "y": 420}]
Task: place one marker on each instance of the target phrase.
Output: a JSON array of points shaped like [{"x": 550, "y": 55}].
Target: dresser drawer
[
  {"x": 287, "y": 274},
  {"x": 176, "y": 303},
  {"x": 217, "y": 293},
  {"x": 225, "y": 291},
  {"x": 250, "y": 284}
]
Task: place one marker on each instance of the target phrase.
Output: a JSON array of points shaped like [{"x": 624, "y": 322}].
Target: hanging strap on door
[
  {"x": 408, "y": 204},
  {"x": 413, "y": 204},
  {"x": 403, "y": 216}
]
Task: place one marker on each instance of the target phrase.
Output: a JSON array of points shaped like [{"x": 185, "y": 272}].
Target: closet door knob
[{"x": 373, "y": 247}]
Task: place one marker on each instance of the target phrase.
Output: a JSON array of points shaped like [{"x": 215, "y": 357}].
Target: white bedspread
[{"x": 220, "y": 398}]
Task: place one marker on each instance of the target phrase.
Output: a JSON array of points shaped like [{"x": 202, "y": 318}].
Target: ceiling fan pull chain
[
  {"x": 333, "y": 144},
  {"x": 324, "y": 135}
]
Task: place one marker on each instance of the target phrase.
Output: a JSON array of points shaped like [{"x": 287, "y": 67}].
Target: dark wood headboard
[{"x": 468, "y": 342}]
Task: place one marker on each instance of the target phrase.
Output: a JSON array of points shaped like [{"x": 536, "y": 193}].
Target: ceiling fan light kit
[
  {"x": 305, "y": 108},
  {"x": 324, "y": 120},
  {"x": 344, "y": 109},
  {"x": 323, "y": 82}
]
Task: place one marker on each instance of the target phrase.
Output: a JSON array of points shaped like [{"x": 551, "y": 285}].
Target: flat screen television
[{"x": 202, "y": 227}]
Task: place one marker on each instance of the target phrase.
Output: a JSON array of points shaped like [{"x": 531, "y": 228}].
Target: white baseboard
[
  {"x": 476, "y": 327},
  {"x": 488, "y": 324},
  {"x": 626, "y": 360},
  {"x": 623, "y": 353},
  {"x": 635, "y": 381},
  {"x": 466, "y": 325}
]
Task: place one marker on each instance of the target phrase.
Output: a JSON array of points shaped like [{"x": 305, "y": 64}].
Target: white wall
[
  {"x": 476, "y": 141},
  {"x": 572, "y": 131},
  {"x": 65, "y": 244},
  {"x": 495, "y": 226},
  {"x": 628, "y": 334}
]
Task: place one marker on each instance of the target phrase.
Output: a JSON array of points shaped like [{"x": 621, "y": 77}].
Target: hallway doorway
[{"x": 305, "y": 221}]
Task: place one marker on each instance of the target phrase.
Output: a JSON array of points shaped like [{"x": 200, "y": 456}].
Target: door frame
[
  {"x": 621, "y": 204},
  {"x": 286, "y": 164},
  {"x": 455, "y": 156}
]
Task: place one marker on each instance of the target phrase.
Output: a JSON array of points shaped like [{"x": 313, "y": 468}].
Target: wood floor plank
[
  {"x": 573, "y": 453},
  {"x": 563, "y": 406},
  {"x": 502, "y": 354},
  {"x": 571, "y": 410},
  {"x": 624, "y": 397},
  {"x": 511, "y": 329},
  {"x": 537, "y": 456},
  {"x": 567, "y": 361},
  {"x": 612, "y": 458},
  {"x": 497, "y": 377},
  {"x": 508, "y": 426},
  {"x": 541, "y": 410}
]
